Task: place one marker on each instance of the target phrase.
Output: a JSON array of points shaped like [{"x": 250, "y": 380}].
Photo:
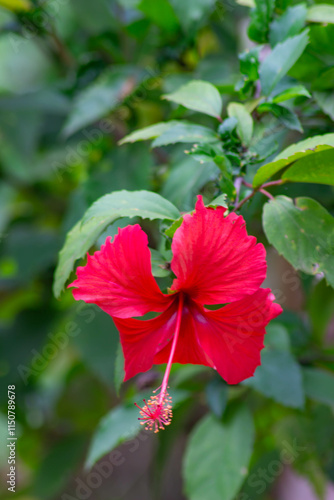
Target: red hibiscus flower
[{"x": 215, "y": 262}]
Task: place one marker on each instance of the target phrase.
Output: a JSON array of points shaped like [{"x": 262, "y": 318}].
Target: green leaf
[
  {"x": 17, "y": 5},
  {"x": 279, "y": 377},
  {"x": 150, "y": 132},
  {"x": 198, "y": 96},
  {"x": 103, "y": 212},
  {"x": 284, "y": 114},
  {"x": 119, "y": 369},
  {"x": 245, "y": 121},
  {"x": 291, "y": 93},
  {"x": 185, "y": 181},
  {"x": 185, "y": 133},
  {"x": 318, "y": 169},
  {"x": 288, "y": 24},
  {"x": 119, "y": 425},
  {"x": 319, "y": 385},
  {"x": 160, "y": 13},
  {"x": 217, "y": 396},
  {"x": 284, "y": 386},
  {"x": 325, "y": 100},
  {"x": 190, "y": 12},
  {"x": 217, "y": 456},
  {"x": 101, "y": 97},
  {"x": 321, "y": 13},
  {"x": 280, "y": 60},
  {"x": 54, "y": 472},
  {"x": 303, "y": 148},
  {"x": 158, "y": 264},
  {"x": 303, "y": 232},
  {"x": 98, "y": 351}
]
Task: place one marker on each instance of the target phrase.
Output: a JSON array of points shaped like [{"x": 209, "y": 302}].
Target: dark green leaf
[
  {"x": 318, "y": 169},
  {"x": 217, "y": 456},
  {"x": 119, "y": 425},
  {"x": 185, "y": 133},
  {"x": 198, "y": 96},
  {"x": 160, "y": 13},
  {"x": 103, "y": 212},
  {"x": 279, "y": 377},
  {"x": 190, "y": 12},
  {"x": 319, "y": 385},
  {"x": 100, "y": 98},
  {"x": 217, "y": 395},
  {"x": 245, "y": 121},
  {"x": 280, "y": 60},
  {"x": 260, "y": 19},
  {"x": 303, "y": 232}
]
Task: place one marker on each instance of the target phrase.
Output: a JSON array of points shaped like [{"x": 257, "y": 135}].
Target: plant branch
[{"x": 258, "y": 189}]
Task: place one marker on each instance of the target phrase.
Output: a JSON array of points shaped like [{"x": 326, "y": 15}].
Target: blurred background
[{"x": 75, "y": 77}]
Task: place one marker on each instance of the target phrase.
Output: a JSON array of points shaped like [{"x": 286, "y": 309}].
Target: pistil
[{"x": 157, "y": 412}]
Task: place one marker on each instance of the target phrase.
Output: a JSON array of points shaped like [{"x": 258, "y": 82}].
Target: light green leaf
[
  {"x": 280, "y": 60},
  {"x": 245, "y": 121},
  {"x": 119, "y": 425},
  {"x": 319, "y": 385},
  {"x": 119, "y": 369},
  {"x": 303, "y": 232},
  {"x": 198, "y": 96},
  {"x": 190, "y": 12},
  {"x": 303, "y": 148},
  {"x": 318, "y": 169},
  {"x": 185, "y": 133},
  {"x": 150, "y": 132},
  {"x": 284, "y": 386},
  {"x": 217, "y": 456},
  {"x": 101, "y": 97},
  {"x": 321, "y": 13},
  {"x": 103, "y": 212},
  {"x": 158, "y": 264},
  {"x": 288, "y": 24},
  {"x": 291, "y": 93}
]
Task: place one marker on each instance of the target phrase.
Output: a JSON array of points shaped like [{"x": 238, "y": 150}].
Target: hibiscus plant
[{"x": 173, "y": 167}]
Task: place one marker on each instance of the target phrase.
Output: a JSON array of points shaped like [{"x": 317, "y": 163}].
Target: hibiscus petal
[
  {"x": 118, "y": 278},
  {"x": 215, "y": 260},
  {"x": 232, "y": 336},
  {"x": 142, "y": 339}
]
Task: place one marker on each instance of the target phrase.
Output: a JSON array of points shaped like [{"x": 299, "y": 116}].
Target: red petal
[
  {"x": 118, "y": 278},
  {"x": 141, "y": 340},
  {"x": 215, "y": 260},
  {"x": 188, "y": 347},
  {"x": 232, "y": 336}
]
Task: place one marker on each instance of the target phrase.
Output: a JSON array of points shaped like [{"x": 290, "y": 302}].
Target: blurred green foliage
[{"x": 76, "y": 78}]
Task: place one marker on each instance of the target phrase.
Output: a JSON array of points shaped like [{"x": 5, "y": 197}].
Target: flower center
[{"x": 157, "y": 412}]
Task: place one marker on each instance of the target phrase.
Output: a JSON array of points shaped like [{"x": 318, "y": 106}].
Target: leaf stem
[{"x": 258, "y": 189}]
